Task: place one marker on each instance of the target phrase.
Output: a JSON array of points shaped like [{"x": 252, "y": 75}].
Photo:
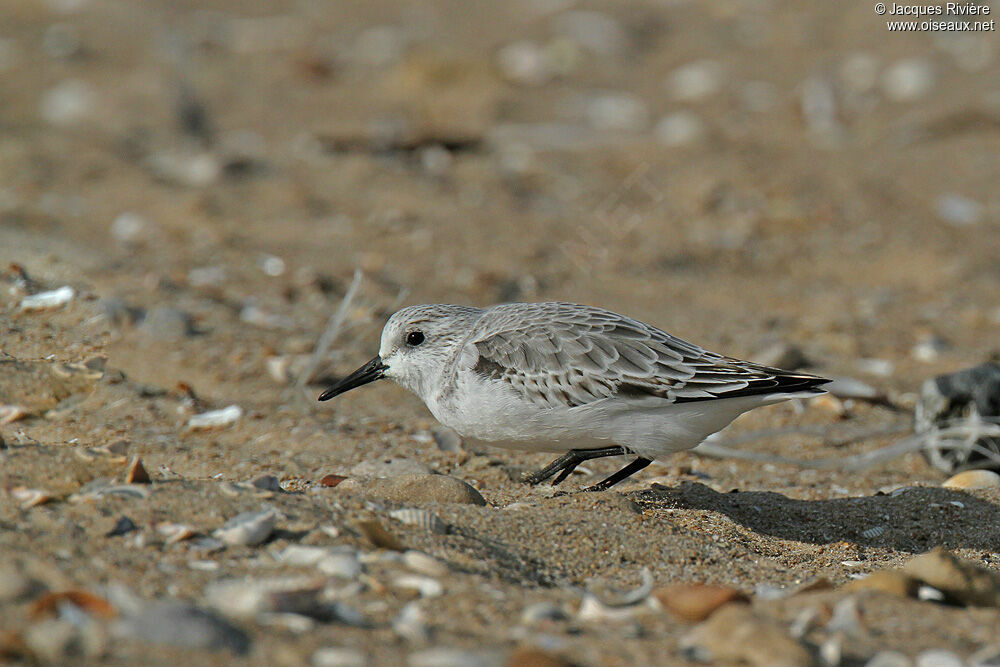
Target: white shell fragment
[
  {"x": 421, "y": 563},
  {"x": 412, "y": 516},
  {"x": 246, "y": 598},
  {"x": 411, "y": 624},
  {"x": 11, "y": 413},
  {"x": 426, "y": 586},
  {"x": 175, "y": 532},
  {"x": 216, "y": 418},
  {"x": 248, "y": 528},
  {"x": 31, "y": 497},
  {"x": 48, "y": 300}
]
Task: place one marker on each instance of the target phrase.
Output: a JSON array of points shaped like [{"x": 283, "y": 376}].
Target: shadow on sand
[{"x": 913, "y": 520}]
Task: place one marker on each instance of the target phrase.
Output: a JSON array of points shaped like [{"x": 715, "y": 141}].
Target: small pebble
[
  {"x": 696, "y": 81},
  {"x": 616, "y": 111},
  {"x": 696, "y": 602},
  {"x": 679, "y": 128},
  {"x": 958, "y": 210},
  {"x": 129, "y": 228},
  {"x": 907, "y": 80},
  {"x": 182, "y": 625},
  {"x": 166, "y": 323},
  {"x": 422, "y": 489},
  {"x": 67, "y": 103},
  {"x": 123, "y": 526},
  {"x": 524, "y": 63},
  {"x": 267, "y": 483}
]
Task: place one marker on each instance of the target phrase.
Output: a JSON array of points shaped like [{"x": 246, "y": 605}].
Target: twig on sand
[{"x": 329, "y": 336}]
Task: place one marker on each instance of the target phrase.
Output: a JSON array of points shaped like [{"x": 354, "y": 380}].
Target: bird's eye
[{"x": 415, "y": 338}]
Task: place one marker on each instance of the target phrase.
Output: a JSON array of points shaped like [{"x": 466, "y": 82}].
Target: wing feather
[{"x": 558, "y": 354}]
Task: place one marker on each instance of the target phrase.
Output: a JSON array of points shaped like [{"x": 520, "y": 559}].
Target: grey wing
[{"x": 566, "y": 355}]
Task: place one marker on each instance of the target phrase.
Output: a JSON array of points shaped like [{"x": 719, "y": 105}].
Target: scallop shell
[
  {"x": 973, "y": 479},
  {"x": 412, "y": 516}
]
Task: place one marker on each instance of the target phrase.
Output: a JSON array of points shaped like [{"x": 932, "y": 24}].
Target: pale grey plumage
[{"x": 561, "y": 354}]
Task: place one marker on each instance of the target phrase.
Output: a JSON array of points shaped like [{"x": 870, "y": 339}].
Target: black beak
[{"x": 373, "y": 370}]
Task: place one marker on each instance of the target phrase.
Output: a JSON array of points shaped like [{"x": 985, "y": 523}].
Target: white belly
[{"x": 489, "y": 411}]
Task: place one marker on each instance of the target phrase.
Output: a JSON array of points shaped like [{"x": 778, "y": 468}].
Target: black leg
[
  {"x": 627, "y": 471},
  {"x": 565, "y": 464}
]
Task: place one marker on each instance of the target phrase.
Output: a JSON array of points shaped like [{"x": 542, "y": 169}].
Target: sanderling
[{"x": 561, "y": 377}]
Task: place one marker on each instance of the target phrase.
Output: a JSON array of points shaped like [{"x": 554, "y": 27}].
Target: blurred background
[
  {"x": 735, "y": 172},
  {"x": 216, "y": 205}
]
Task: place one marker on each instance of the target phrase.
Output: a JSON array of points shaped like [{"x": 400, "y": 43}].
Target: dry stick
[{"x": 333, "y": 327}]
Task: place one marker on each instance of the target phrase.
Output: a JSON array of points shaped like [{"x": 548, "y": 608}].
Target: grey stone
[
  {"x": 182, "y": 625},
  {"x": 167, "y": 323}
]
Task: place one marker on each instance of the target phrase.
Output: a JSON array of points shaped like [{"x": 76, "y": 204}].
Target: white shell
[
  {"x": 48, "y": 300},
  {"x": 216, "y": 418},
  {"x": 249, "y": 528}
]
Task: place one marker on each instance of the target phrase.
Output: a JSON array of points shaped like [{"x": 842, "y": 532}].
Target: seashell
[
  {"x": 696, "y": 602},
  {"x": 379, "y": 536},
  {"x": 48, "y": 300},
  {"x": 12, "y": 413},
  {"x": 421, "y": 563},
  {"x": 636, "y": 596},
  {"x": 973, "y": 479},
  {"x": 31, "y": 497},
  {"x": 137, "y": 472},
  {"x": 331, "y": 480},
  {"x": 175, "y": 532},
  {"x": 245, "y": 598},
  {"x": 215, "y": 418},
  {"x": 248, "y": 528},
  {"x": 413, "y": 516},
  {"x": 873, "y": 532},
  {"x": 426, "y": 586},
  {"x": 592, "y": 609}
]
